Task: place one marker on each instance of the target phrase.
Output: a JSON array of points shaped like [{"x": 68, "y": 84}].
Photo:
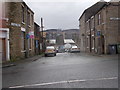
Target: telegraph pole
[
  {"x": 42, "y": 26},
  {"x": 42, "y": 33}
]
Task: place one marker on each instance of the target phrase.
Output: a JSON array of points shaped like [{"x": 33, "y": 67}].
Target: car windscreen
[{"x": 50, "y": 48}]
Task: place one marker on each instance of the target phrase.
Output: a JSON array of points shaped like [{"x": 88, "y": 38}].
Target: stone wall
[{"x": 15, "y": 25}]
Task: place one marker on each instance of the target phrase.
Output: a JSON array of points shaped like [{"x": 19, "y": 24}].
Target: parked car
[
  {"x": 50, "y": 50},
  {"x": 74, "y": 49}
]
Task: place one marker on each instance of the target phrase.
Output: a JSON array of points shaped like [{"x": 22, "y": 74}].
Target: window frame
[
  {"x": 23, "y": 47},
  {"x": 23, "y": 13}
]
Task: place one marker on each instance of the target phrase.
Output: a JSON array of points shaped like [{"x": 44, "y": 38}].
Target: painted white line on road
[{"x": 61, "y": 82}]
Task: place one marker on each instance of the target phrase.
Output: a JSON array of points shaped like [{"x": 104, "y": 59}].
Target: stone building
[
  {"x": 106, "y": 26},
  {"x": 99, "y": 28},
  {"x": 18, "y": 19},
  {"x": 37, "y": 38},
  {"x": 4, "y": 36},
  {"x": 72, "y": 34},
  {"x": 27, "y": 30}
]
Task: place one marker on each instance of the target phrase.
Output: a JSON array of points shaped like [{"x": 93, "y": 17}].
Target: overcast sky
[{"x": 59, "y": 14}]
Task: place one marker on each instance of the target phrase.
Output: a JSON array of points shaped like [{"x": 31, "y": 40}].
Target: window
[
  {"x": 93, "y": 43},
  {"x": 22, "y": 14},
  {"x": 88, "y": 25},
  {"x": 87, "y": 43},
  {"x": 30, "y": 43},
  {"x": 99, "y": 19},
  {"x": 32, "y": 20},
  {"x": 23, "y": 40},
  {"x": 92, "y": 23},
  {"x": 28, "y": 18},
  {"x": 3, "y": 10}
]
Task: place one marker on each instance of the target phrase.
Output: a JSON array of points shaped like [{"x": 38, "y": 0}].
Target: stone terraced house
[
  {"x": 17, "y": 29},
  {"x": 99, "y": 28}
]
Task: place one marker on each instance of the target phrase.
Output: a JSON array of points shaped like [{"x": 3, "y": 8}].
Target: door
[
  {"x": 2, "y": 49},
  {"x": 103, "y": 44}
]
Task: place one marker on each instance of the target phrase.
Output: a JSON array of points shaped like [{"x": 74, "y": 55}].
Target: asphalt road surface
[{"x": 66, "y": 70}]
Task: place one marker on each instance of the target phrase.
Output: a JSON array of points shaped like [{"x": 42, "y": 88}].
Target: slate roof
[
  {"x": 89, "y": 12},
  {"x": 68, "y": 41}
]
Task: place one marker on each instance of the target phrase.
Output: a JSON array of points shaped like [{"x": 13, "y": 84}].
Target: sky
[{"x": 59, "y": 14}]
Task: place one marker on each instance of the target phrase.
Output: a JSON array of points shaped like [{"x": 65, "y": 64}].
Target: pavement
[
  {"x": 30, "y": 59},
  {"x": 66, "y": 70}
]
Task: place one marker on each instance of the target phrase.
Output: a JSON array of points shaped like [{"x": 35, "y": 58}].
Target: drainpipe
[
  {"x": 27, "y": 39},
  {"x": 94, "y": 34},
  {"x": 90, "y": 34}
]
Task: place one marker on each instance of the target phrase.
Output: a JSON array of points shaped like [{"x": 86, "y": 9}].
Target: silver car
[
  {"x": 74, "y": 49},
  {"x": 50, "y": 50}
]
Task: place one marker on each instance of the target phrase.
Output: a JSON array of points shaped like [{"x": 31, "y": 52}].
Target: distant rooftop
[
  {"x": 68, "y": 41},
  {"x": 52, "y": 41}
]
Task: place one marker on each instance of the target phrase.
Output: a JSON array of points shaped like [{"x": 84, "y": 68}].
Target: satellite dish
[{"x": 67, "y": 46}]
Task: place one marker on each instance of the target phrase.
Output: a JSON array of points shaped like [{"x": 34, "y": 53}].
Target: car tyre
[{"x": 45, "y": 55}]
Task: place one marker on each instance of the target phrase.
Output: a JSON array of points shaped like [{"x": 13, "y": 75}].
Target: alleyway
[{"x": 66, "y": 70}]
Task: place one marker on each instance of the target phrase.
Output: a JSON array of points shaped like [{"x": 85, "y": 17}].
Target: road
[{"x": 66, "y": 70}]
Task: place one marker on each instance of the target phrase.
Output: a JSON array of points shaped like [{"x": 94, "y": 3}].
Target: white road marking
[{"x": 61, "y": 82}]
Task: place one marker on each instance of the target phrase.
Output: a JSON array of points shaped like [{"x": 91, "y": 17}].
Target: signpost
[
  {"x": 15, "y": 24},
  {"x": 98, "y": 33}
]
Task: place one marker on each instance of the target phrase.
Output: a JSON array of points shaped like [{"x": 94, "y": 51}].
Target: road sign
[
  {"x": 98, "y": 33},
  {"x": 27, "y": 36}
]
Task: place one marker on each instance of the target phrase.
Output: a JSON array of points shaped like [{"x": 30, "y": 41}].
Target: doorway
[
  {"x": 103, "y": 44},
  {"x": 3, "y": 49}
]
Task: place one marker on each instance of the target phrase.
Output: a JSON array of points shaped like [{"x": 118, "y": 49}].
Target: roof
[
  {"x": 68, "y": 41},
  {"x": 27, "y": 6},
  {"x": 93, "y": 10},
  {"x": 52, "y": 41},
  {"x": 36, "y": 24}
]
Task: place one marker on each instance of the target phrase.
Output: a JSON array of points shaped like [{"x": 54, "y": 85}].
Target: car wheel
[{"x": 45, "y": 55}]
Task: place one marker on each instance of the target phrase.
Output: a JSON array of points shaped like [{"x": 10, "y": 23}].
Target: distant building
[
  {"x": 51, "y": 42},
  {"x": 60, "y": 35},
  {"x": 53, "y": 33},
  {"x": 68, "y": 41},
  {"x": 37, "y": 38},
  {"x": 59, "y": 40},
  {"x": 99, "y": 28},
  {"x": 73, "y": 34}
]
